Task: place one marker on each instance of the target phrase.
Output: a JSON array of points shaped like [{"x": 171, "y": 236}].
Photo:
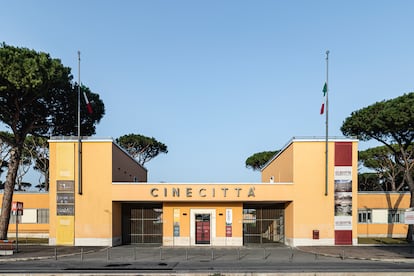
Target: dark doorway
[
  {"x": 142, "y": 223},
  {"x": 263, "y": 223}
]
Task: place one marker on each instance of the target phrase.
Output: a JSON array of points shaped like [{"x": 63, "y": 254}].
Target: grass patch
[{"x": 382, "y": 240}]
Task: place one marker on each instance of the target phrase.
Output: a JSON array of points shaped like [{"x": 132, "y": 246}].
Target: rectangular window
[
  {"x": 395, "y": 216},
  {"x": 364, "y": 216},
  {"x": 39, "y": 216},
  {"x": 43, "y": 216}
]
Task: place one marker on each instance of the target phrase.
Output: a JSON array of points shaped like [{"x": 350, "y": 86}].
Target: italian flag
[
  {"x": 88, "y": 104},
  {"x": 324, "y": 90}
]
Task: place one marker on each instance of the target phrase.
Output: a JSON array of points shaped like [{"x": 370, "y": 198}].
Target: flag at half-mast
[
  {"x": 324, "y": 90},
  {"x": 88, "y": 104}
]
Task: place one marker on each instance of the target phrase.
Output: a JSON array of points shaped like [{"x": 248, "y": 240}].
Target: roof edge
[{"x": 308, "y": 139}]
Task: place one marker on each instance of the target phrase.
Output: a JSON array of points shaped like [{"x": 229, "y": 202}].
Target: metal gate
[
  {"x": 141, "y": 224},
  {"x": 263, "y": 224}
]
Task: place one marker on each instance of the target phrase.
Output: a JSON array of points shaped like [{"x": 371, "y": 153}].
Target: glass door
[{"x": 202, "y": 228}]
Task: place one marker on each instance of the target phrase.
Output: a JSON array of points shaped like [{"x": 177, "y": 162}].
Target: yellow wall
[
  {"x": 303, "y": 163},
  {"x": 383, "y": 200},
  {"x": 378, "y": 200},
  {"x": 312, "y": 209},
  {"x": 220, "y": 207},
  {"x": 202, "y": 192},
  {"x": 93, "y": 208},
  {"x": 62, "y": 167},
  {"x": 281, "y": 168},
  {"x": 30, "y": 201}
]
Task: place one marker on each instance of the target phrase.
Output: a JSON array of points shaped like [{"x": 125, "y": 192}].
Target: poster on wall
[
  {"x": 176, "y": 222},
  {"x": 343, "y": 197},
  {"x": 229, "y": 222}
]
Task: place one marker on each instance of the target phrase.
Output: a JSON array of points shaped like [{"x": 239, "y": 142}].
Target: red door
[{"x": 202, "y": 229}]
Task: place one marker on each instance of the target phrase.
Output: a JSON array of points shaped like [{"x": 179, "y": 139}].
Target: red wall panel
[{"x": 343, "y": 153}]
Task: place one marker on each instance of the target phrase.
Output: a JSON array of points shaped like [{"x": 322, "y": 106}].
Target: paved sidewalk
[
  {"x": 401, "y": 253},
  {"x": 395, "y": 253}
]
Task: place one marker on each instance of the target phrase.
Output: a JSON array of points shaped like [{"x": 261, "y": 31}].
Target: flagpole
[
  {"x": 326, "y": 125},
  {"x": 79, "y": 132}
]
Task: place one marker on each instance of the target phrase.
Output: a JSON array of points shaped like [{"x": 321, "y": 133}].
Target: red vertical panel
[
  {"x": 343, "y": 237},
  {"x": 343, "y": 153}
]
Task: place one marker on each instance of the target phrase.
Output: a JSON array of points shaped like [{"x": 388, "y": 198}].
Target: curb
[{"x": 49, "y": 257}]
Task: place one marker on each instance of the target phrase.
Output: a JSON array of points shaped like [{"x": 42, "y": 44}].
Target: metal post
[
  {"x": 79, "y": 133},
  {"x": 17, "y": 232},
  {"x": 326, "y": 128}
]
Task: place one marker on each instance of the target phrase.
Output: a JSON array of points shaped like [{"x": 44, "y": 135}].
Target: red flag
[
  {"x": 88, "y": 104},
  {"x": 322, "y": 108}
]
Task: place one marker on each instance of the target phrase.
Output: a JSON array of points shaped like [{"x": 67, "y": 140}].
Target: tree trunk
[
  {"x": 410, "y": 183},
  {"x": 47, "y": 181},
  {"x": 15, "y": 155}
]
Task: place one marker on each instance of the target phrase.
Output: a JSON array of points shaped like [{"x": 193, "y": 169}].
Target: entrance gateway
[
  {"x": 143, "y": 223},
  {"x": 243, "y": 213}
]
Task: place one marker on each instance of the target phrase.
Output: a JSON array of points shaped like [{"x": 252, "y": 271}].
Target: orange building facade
[{"x": 296, "y": 203}]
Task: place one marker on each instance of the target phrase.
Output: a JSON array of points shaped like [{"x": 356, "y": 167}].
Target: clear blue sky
[{"x": 217, "y": 81}]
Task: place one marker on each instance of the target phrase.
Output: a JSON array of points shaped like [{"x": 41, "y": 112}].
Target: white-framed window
[
  {"x": 42, "y": 215},
  {"x": 365, "y": 216},
  {"x": 396, "y": 216},
  {"x": 36, "y": 216}
]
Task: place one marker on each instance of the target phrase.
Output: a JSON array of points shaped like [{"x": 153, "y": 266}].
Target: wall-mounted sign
[
  {"x": 409, "y": 216},
  {"x": 65, "y": 210},
  {"x": 65, "y": 186},
  {"x": 17, "y": 208},
  {"x": 343, "y": 197},
  {"x": 65, "y": 198},
  {"x": 203, "y": 192}
]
